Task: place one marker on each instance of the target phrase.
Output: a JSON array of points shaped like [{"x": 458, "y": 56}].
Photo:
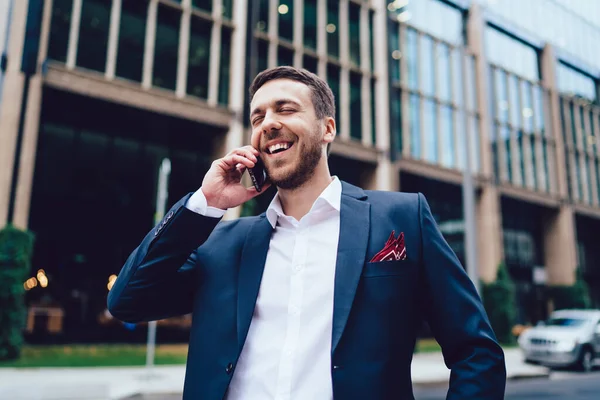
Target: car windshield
[{"x": 565, "y": 322}]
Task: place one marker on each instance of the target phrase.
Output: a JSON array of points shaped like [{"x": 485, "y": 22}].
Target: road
[{"x": 562, "y": 385}]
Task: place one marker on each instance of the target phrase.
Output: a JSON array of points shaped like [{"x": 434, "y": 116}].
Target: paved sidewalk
[{"x": 121, "y": 382}]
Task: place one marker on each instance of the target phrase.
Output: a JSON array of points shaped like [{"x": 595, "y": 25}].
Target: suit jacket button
[{"x": 229, "y": 368}]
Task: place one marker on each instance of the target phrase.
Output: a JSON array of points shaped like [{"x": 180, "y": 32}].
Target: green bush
[
  {"x": 574, "y": 296},
  {"x": 500, "y": 305},
  {"x": 16, "y": 247}
]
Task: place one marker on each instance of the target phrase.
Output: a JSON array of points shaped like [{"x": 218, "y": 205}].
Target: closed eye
[{"x": 256, "y": 120}]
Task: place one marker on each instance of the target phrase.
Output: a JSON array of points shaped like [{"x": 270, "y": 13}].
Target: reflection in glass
[
  {"x": 263, "y": 15},
  {"x": 447, "y": 137},
  {"x": 310, "y": 63},
  {"x": 333, "y": 28},
  {"x": 93, "y": 34},
  {"x": 205, "y": 5},
  {"x": 415, "y": 127},
  {"x": 533, "y": 164},
  {"x": 443, "y": 70},
  {"x": 198, "y": 57},
  {"x": 228, "y": 9},
  {"x": 285, "y": 56},
  {"x": 412, "y": 59},
  {"x": 166, "y": 47},
  {"x": 501, "y": 97},
  {"x": 511, "y": 54},
  {"x": 514, "y": 106},
  {"x": 354, "y": 33},
  {"x": 574, "y": 83},
  {"x": 263, "y": 54},
  {"x": 527, "y": 107},
  {"x": 333, "y": 79},
  {"x": 427, "y": 70},
  {"x": 132, "y": 32},
  {"x": 430, "y": 127},
  {"x": 310, "y": 24},
  {"x": 436, "y": 18},
  {"x": 457, "y": 78},
  {"x": 286, "y": 19},
  {"x": 355, "y": 106},
  {"x": 59, "y": 30},
  {"x": 224, "y": 71}
]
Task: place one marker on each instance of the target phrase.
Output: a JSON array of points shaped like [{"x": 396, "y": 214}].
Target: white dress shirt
[{"x": 287, "y": 353}]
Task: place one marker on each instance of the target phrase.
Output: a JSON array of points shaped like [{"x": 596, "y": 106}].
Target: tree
[
  {"x": 16, "y": 247},
  {"x": 573, "y": 296},
  {"x": 500, "y": 305}
]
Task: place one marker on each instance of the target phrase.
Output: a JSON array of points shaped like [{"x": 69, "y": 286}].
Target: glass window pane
[
  {"x": 285, "y": 56},
  {"x": 415, "y": 126},
  {"x": 471, "y": 84},
  {"x": 443, "y": 70},
  {"x": 228, "y": 9},
  {"x": 166, "y": 47},
  {"x": 527, "y": 107},
  {"x": 198, "y": 57},
  {"x": 533, "y": 160},
  {"x": 263, "y": 15},
  {"x": 263, "y": 55},
  {"x": 286, "y": 19},
  {"x": 333, "y": 79},
  {"x": 494, "y": 140},
  {"x": 355, "y": 106},
  {"x": 310, "y": 63},
  {"x": 132, "y": 32},
  {"x": 505, "y": 137},
  {"x": 372, "y": 46},
  {"x": 501, "y": 97},
  {"x": 333, "y": 23},
  {"x": 412, "y": 59},
  {"x": 93, "y": 34},
  {"x": 395, "y": 53},
  {"x": 59, "y": 30},
  {"x": 457, "y": 77},
  {"x": 396, "y": 119},
  {"x": 538, "y": 108},
  {"x": 428, "y": 77},
  {"x": 430, "y": 127},
  {"x": 521, "y": 157},
  {"x": 475, "y": 150},
  {"x": 447, "y": 138},
  {"x": 373, "y": 115},
  {"x": 310, "y": 24},
  {"x": 205, "y": 5},
  {"x": 225, "y": 69},
  {"x": 511, "y": 54},
  {"x": 355, "y": 33},
  {"x": 515, "y": 104}
]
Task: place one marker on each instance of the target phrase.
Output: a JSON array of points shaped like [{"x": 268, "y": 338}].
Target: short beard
[{"x": 309, "y": 159}]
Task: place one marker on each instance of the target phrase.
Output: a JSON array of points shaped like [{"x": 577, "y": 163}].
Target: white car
[{"x": 568, "y": 338}]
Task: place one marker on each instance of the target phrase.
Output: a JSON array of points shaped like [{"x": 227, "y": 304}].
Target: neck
[{"x": 297, "y": 202}]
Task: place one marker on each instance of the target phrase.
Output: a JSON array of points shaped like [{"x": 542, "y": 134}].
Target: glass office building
[{"x": 121, "y": 85}]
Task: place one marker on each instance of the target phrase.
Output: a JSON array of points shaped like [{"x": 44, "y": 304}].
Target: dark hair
[{"x": 322, "y": 96}]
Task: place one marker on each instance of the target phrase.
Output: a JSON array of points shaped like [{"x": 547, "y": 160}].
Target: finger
[
  {"x": 248, "y": 152},
  {"x": 233, "y": 160}
]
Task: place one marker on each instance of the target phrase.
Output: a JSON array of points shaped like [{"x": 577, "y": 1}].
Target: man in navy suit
[{"x": 319, "y": 297}]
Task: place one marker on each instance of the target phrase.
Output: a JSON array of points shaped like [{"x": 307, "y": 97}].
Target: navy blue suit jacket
[{"x": 213, "y": 269}]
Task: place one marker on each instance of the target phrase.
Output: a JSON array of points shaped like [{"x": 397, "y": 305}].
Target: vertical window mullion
[
  {"x": 273, "y": 33},
  {"x": 298, "y": 32},
  {"x": 184, "y": 44},
  {"x": 322, "y": 37},
  {"x": 215, "y": 61},
  {"x": 74, "y": 33},
  {"x": 149, "y": 45},
  {"x": 113, "y": 39}
]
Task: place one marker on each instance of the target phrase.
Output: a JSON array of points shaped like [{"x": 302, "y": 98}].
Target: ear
[{"x": 330, "y": 130}]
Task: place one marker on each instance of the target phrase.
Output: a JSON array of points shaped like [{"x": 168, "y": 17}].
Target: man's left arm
[{"x": 457, "y": 318}]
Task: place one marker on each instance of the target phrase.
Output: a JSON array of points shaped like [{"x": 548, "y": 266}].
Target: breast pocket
[{"x": 388, "y": 268}]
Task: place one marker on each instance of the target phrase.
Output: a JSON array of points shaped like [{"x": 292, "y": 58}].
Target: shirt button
[{"x": 229, "y": 368}]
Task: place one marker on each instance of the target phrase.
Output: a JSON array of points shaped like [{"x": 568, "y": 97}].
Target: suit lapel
[
  {"x": 252, "y": 266},
  {"x": 352, "y": 249}
]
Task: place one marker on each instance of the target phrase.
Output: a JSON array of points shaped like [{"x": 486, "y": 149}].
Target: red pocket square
[{"x": 394, "y": 249}]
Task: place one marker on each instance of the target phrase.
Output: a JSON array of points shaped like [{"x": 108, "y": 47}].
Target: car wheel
[{"x": 586, "y": 360}]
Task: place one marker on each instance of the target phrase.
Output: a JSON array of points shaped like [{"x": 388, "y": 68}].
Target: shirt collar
[{"x": 332, "y": 196}]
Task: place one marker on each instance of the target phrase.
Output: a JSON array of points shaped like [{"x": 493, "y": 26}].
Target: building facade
[{"x": 98, "y": 92}]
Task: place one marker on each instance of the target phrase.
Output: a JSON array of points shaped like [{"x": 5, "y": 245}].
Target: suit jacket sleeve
[
  {"x": 158, "y": 279},
  {"x": 457, "y": 318}
]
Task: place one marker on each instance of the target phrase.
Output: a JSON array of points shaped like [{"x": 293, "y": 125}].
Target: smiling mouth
[{"x": 279, "y": 148}]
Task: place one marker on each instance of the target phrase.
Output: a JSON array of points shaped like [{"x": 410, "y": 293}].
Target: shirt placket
[{"x": 290, "y": 346}]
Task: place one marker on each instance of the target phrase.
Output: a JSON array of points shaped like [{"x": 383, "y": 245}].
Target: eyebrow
[{"x": 278, "y": 103}]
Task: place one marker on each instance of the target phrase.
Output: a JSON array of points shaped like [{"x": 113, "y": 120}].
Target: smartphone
[{"x": 258, "y": 174}]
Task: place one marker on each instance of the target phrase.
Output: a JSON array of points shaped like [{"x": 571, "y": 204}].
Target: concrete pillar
[
  {"x": 560, "y": 251},
  {"x": 236, "y": 136},
  {"x": 490, "y": 244},
  {"x": 10, "y": 106},
  {"x": 386, "y": 176}
]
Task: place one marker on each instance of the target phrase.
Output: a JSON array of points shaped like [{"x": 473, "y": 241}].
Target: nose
[{"x": 270, "y": 122}]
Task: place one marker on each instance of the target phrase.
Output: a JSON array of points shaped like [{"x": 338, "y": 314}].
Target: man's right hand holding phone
[{"x": 222, "y": 185}]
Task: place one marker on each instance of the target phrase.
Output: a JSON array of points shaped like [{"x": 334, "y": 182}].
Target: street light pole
[
  {"x": 468, "y": 191},
  {"x": 161, "y": 204}
]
